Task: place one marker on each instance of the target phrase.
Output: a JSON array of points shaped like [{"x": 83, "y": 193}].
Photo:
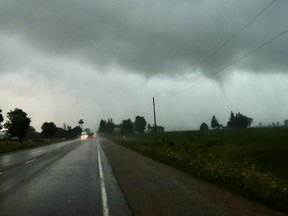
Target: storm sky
[{"x": 65, "y": 60}]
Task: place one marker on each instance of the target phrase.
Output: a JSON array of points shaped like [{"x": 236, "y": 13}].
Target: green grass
[
  {"x": 14, "y": 145},
  {"x": 251, "y": 162}
]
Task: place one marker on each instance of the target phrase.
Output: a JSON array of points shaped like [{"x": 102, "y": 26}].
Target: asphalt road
[
  {"x": 69, "y": 178},
  {"x": 75, "y": 178}
]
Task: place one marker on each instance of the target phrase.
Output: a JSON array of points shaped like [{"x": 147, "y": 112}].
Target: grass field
[{"x": 251, "y": 162}]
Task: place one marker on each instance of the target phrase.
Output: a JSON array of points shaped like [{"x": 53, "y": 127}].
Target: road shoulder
[{"x": 152, "y": 188}]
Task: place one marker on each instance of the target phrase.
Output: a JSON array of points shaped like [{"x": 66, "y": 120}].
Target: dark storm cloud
[{"x": 150, "y": 36}]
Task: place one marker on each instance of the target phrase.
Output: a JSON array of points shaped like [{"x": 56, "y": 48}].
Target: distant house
[
  {"x": 204, "y": 127},
  {"x": 117, "y": 130},
  {"x": 159, "y": 129},
  {"x": 3, "y": 135},
  {"x": 221, "y": 127}
]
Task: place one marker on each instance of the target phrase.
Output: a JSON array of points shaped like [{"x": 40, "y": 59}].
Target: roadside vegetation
[
  {"x": 252, "y": 162},
  {"x": 16, "y": 133}
]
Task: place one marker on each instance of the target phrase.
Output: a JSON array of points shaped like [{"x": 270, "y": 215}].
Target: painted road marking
[
  {"x": 1, "y": 173},
  {"x": 27, "y": 162},
  {"x": 103, "y": 189}
]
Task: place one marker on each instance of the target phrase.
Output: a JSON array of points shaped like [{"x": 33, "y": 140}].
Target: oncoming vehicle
[{"x": 85, "y": 135}]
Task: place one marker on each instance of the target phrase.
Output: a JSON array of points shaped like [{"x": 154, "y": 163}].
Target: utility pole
[
  {"x": 1, "y": 119},
  {"x": 155, "y": 125}
]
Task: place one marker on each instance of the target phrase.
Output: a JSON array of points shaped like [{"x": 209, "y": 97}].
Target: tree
[
  {"x": 17, "y": 124},
  {"x": 102, "y": 126},
  {"x": 49, "y": 129},
  {"x": 243, "y": 121},
  {"x": 231, "y": 121},
  {"x": 140, "y": 124},
  {"x": 214, "y": 122},
  {"x": 239, "y": 121},
  {"x": 127, "y": 126},
  {"x": 204, "y": 127},
  {"x": 149, "y": 127},
  {"x": 73, "y": 133},
  {"x": 61, "y": 133},
  {"x": 31, "y": 133},
  {"x": 87, "y": 130},
  {"x": 110, "y": 126},
  {"x": 76, "y": 131}
]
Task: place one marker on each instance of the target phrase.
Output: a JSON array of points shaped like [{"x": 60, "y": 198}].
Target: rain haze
[{"x": 63, "y": 60}]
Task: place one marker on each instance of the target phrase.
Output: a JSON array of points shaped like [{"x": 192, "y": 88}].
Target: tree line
[
  {"x": 18, "y": 125},
  {"x": 237, "y": 120},
  {"x": 125, "y": 127}
]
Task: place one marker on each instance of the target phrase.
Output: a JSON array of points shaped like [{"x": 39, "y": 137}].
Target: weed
[{"x": 251, "y": 162}]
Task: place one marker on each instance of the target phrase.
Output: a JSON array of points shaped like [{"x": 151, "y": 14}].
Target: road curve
[{"x": 74, "y": 179}]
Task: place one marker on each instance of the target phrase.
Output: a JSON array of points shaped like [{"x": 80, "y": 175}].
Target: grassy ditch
[
  {"x": 14, "y": 145},
  {"x": 250, "y": 162}
]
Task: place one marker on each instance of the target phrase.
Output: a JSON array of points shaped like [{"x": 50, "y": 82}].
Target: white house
[{"x": 3, "y": 135}]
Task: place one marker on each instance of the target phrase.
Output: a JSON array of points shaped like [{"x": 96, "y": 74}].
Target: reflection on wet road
[{"x": 69, "y": 178}]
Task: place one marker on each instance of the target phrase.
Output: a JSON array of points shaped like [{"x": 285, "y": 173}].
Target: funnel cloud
[{"x": 102, "y": 59}]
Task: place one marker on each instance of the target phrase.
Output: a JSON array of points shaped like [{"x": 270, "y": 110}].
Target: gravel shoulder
[{"x": 152, "y": 188}]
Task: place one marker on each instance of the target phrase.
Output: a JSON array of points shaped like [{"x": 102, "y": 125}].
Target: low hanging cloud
[{"x": 151, "y": 37}]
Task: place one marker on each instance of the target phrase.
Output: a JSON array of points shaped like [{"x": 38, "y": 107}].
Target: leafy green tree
[
  {"x": 232, "y": 116},
  {"x": 239, "y": 121},
  {"x": 140, "y": 124},
  {"x": 127, "y": 127},
  {"x": 76, "y": 131},
  {"x": 149, "y": 127},
  {"x": 242, "y": 121},
  {"x": 17, "y": 124},
  {"x": 87, "y": 130},
  {"x": 73, "y": 132},
  {"x": 49, "y": 129},
  {"x": 61, "y": 133},
  {"x": 231, "y": 122},
  {"x": 214, "y": 122},
  {"x": 102, "y": 126},
  {"x": 31, "y": 133},
  {"x": 110, "y": 126}
]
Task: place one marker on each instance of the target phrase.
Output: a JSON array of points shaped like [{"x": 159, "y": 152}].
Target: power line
[
  {"x": 237, "y": 60},
  {"x": 235, "y": 35},
  {"x": 251, "y": 52},
  {"x": 228, "y": 41}
]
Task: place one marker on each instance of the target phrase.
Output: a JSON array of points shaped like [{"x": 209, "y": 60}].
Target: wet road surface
[{"x": 69, "y": 178}]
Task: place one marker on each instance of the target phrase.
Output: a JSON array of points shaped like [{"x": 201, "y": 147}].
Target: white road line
[
  {"x": 102, "y": 183},
  {"x": 1, "y": 173},
  {"x": 27, "y": 162}
]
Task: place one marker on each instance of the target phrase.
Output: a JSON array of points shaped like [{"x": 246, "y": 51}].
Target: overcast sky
[{"x": 65, "y": 60}]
